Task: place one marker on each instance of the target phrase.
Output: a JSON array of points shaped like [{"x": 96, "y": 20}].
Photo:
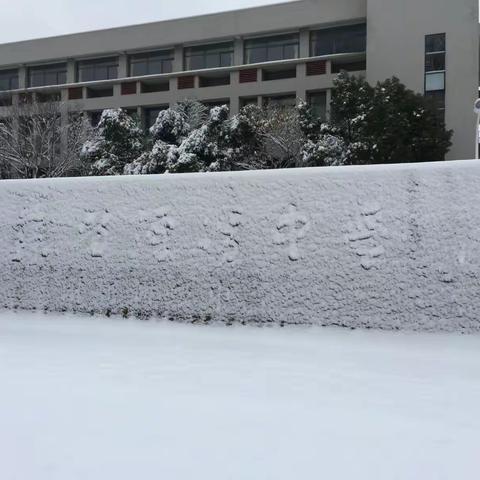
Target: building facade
[{"x": 275, "y": 54}]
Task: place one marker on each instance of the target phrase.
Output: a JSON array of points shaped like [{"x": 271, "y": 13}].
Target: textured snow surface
[
  {"x": 97, "y": 399},
  {"x": 389, "y": 247}
]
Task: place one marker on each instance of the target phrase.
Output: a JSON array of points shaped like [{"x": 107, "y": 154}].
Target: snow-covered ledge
[{"x": 379, "y": 246}]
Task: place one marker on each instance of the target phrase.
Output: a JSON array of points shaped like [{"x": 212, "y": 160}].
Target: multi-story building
[{"x": 272, "y": 54}]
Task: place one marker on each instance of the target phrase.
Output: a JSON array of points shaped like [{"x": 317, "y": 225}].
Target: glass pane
[
  {"x": 112, "y": 72},
  {"x": 138, "y": 68},
  {"x": 256, "y": 55},
  {"x": 212, "y": 60},
  {"x": 226, "y": 59},
  {"x": 434, "y": 62},
  {"x": 36, "y": 79},
  {"x": 435, "y": 43},
  {"x": 348, "y": 39},
  {"x": 434, "y": 81},
  {"x": 275, "y": 53},
  {"x": 318, "y": 103},
  {"x": 167, "y": 66},
  {"x": 62, "y": 78},
  {"x": 195, "y": 62},
  {"x": 86, "y": 74},
  {"x": 290, "y": 51}
]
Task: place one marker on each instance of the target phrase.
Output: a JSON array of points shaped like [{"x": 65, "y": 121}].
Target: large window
[
  {"x": 151, "y": 63},
  {"x": 348, "y": 39},
  {"x": 318, "y": 104},
  {"x": 269, "y": 49},
  {"x": 103, "y": 69},
  {"x": 8, "y": 80},
  {"x": 209, "y": 56},
  {"x": 280, "y": 101},
  {"x": 47, "y": 75},
  {"x": 435, "y": 68}
]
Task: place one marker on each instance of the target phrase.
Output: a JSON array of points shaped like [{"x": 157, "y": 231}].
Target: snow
[
  {"x": 394, "y": 247},
  {"x": 119, "y": 399}
]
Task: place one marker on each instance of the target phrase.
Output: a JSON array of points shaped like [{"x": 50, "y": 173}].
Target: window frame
[
  {"x": 11, "y": 77},
  {"x": 270, "y": 43},
  {"x": 58, "y": 70},
  {"x": 343, "y": 29},
  {"x": 94, "y": 64},
  {"x": 162, "y": 56},
  {"x": 204, "y": 52}
]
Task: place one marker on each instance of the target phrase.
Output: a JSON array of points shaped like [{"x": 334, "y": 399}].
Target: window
[
  {"x": 92, "y": 70},
  {"x": 246, "y": 101},
  {"x": 349, "y": 39},
  {"x": 435, "y": 43},
  {"x": 151, "y": 63},
  {"x": 282, "y": 47},
  {"x": 318, "y": 104},
  {"x": 280, "y": 101},
  {"x": 9, "y": 80},
  {"x": 434, "y": 81},
  {"x": 208, "y": 56},
  {"x": 47, "y": 75},
  {"x": 435, "y": 68},
  {"x": 94, "y": 118}
]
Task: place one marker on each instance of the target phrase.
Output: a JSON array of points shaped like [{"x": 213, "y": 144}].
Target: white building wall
[{"x": 396, "y": 46}]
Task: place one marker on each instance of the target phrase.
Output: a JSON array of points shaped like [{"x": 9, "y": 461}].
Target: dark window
[
  {"x": 435, "y": 43},
  {"x": 9, "y": 80},
  {"x": 279, "y": 74},
  {"x": 151, "y": 115},
  {"x": 349, "y": 67},
  {"x": 92, "y": 70},
  {"x": 434, "y": 62},
  {"x": 94, "y": 118},
  {"x": 438, "y": 97},
  {"x": 244, "y": 102},
  {"x": 318, "y": 104},
  {"x": 216, "y": 103},
  {"x": 99, "y": 92},
  {"x": 152, "y": 63},
  {"x": 349, "y": 39},
  {"x": 47, "y": 75},
  {"x": 282, "y": 47},
  {"x": 280, "y": 101},
  {"x": 435, "y": 69},
  {"x": 214, "y": 81},
  {"x": 208, "y": 56}
]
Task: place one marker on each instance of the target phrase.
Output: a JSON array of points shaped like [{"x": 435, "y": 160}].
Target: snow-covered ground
[{"x": 95, "y": 398}]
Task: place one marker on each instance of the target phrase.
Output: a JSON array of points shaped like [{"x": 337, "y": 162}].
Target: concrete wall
[
  {"x": 396, "y": 46},
  {"x": 393, "y": 247}
]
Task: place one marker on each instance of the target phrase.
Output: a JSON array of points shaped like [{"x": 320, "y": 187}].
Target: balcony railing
[{"x": 205, "y": 78}]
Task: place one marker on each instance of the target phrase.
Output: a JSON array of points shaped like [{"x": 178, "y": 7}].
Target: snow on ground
[
  {"x": 394, "y": 247},
  {"x": 95, "y": 398}
]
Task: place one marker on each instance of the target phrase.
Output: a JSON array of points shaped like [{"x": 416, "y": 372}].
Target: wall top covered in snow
[{"x": 388, "y": 247}]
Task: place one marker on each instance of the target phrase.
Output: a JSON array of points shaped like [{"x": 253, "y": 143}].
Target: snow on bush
[{"x": 378, "y": 246}]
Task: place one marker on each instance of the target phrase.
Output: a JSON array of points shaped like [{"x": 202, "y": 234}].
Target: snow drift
[{"x": 380, "y": 246}]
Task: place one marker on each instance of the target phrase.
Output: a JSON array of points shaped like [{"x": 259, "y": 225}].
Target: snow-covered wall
[{"x": 389, "y": 247}]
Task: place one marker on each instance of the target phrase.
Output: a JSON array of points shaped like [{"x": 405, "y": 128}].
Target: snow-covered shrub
[
  {"x": 327, "y": 150},
  {"x": 117, "y": 140},
  {"x": 170, "y": 127}
]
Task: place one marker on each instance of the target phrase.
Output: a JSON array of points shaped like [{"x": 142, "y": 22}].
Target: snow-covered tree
[
  {"x": 117, "y": 141},
  {"x": 36, "y": 140},
  {"x": 387, "y": 123}
]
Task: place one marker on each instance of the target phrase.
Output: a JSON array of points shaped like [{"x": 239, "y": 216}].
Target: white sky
[{"x": 24, "y": 19}]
